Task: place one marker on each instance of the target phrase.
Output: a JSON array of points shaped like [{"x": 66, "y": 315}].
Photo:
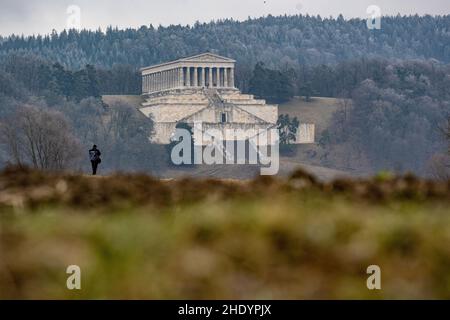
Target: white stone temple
[
  {"x": 202, "y": 89},
  {"x": 202, "y": 71}
]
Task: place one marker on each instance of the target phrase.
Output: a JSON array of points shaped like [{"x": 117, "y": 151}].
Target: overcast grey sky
[{"x": 41, "y": 16}]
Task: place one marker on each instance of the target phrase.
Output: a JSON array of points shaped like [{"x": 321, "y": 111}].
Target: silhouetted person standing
[{"x": 94, "y": 155}]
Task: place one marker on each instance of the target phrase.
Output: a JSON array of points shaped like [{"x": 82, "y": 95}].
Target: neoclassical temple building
[
  {"x": 200, "y": 89},
  {"x": 201, "y": 71}
]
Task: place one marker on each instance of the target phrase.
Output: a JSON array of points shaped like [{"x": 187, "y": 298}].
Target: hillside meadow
[{"x": 134, "y": 236}]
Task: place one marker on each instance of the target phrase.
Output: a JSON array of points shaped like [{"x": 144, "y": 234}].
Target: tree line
[
  {"x": 277, "y": 41},
  {"x": 395, "y": 119},
  {"x": 51, "y": 80}
]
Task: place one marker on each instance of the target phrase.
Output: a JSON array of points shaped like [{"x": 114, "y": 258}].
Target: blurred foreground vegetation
[{"x": 137, "y": 237}]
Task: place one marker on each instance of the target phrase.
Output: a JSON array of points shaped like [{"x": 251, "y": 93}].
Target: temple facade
[{"x": 200, "y": 71}]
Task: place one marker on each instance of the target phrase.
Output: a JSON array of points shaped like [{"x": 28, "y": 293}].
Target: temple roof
[
  {"x": 207, "y": 57},
  {"x": 203, "y": 57}
]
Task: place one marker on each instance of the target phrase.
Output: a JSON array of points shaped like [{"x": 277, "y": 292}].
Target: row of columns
[
  {"x": 189, "y": 77},
  {"x": 163, "y": 80}
]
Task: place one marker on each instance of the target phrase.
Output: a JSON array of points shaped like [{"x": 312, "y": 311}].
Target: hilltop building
[{"x": 201, "y": 88}]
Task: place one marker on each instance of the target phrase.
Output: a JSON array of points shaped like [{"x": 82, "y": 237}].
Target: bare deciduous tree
[
  {"x": 41, "y": 138},
  {"x": 342, "y": 114}
]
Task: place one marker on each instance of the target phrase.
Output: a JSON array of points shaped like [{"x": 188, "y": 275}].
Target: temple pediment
[{"x": 207, "y": 57}]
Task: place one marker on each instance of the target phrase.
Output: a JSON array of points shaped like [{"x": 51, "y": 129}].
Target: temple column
[
  {"x": 174, "y": 78},
  {"x": 151, "y": 83},
  {"x": 184, "y": 77},
  {"x": 157, "y": 82},
  {"x": 210, "y": 77},
  {"x": 167, "y": 79},
  {"x": 202, "y": 77},
  {"x": 188, "y": 77},
  {"x": 166, "y": 82},
  {"x": 217, "y": 77},
  {"x": 195, "y": 77},
  {"x": 232, "y": 77},
  {"x": 225, "y": 77},
  {"x": 180, "y": 77}
]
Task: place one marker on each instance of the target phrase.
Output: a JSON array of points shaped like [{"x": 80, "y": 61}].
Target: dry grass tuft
[{"x": 138, "y": 237}]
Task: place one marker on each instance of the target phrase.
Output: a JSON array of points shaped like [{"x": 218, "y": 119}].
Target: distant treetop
[{"x": 277, "y": 41}]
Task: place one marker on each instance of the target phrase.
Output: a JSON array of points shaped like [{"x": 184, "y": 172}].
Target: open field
[
  {"x": 138, "y": 237},
  {"x": 318, "y": 111},
  {"x": 246, "y": 172},
  {"x": 133, "y": 100}
]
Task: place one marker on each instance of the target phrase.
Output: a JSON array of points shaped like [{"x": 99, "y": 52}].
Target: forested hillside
[
  {"x": 396, "y": 117},
  {"x": 304, "y": 48},
  {"x": 276, "y": 41}
]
